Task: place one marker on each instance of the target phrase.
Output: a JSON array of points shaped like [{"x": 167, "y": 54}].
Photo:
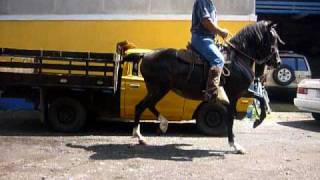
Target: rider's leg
[
  {"x": 207, "y": 48},
  {"x": 213, "y": 82}
]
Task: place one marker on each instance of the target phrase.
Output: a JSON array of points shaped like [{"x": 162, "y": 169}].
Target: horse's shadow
[{"x": 173, "y": 152}]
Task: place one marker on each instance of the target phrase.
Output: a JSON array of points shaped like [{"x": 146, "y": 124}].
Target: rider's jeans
[{"x": 207, "y": 48}]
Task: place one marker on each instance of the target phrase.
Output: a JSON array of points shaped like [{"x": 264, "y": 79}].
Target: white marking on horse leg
[
  {"x": 163, "y": 123},
  {"x": 136, "y": 133},
  {"x": 237, "y": 148},
  {"x": 222, "y": 95},
  {"x": 142, "y": 140}
]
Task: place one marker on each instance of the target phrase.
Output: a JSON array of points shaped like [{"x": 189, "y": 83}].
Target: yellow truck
[{"x": 71, "y": 88}]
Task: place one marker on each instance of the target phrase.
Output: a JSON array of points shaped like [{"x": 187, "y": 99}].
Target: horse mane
[{"x": 251, "y": 36}]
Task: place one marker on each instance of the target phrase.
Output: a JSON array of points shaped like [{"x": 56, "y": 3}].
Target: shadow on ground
[
  {"x": 28, "y": 124},
  {"x": 173, "y": 152},
  {"x": 282, "y": 101},
  {"x": 309, "y": 125}
]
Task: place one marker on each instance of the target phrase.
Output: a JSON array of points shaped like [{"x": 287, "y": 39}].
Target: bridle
[
  {"x": 274, "y": 49},
  {"x": 262, "y": 61},
  {"x": 247, "y": 68}
]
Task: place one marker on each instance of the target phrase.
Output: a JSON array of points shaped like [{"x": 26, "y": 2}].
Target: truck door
[{"x": 133, "y": 90}]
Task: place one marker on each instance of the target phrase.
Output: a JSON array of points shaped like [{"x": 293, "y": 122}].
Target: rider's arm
[{"x": 208, "y": 24}]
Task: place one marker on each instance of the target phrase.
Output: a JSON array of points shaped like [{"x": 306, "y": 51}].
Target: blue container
[
  {"x": 15, "y": 104},
  {"x": 250, "y": 111}
]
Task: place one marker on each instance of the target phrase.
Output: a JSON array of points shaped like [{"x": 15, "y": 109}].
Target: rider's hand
[{"x": 224, "y": 33}]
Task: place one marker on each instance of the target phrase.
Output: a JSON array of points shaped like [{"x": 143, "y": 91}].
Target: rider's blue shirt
[
  {"x": 202, "y": 9},
  {"x": 202, "y": 39}
]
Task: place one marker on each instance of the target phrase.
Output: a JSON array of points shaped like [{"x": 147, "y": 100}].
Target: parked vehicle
[
  {"x": 70, "y": 88},
  {"x": 308, "y": 97},
  {"x": 294, "y": 68}
]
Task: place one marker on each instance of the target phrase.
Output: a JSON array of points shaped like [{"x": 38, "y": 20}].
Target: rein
[
  {"x": 246, "y": 55},
  {"x": 241, "y": 61},
  {"x": 244, "y": 65},
  {"x": 239, "y": 51}
]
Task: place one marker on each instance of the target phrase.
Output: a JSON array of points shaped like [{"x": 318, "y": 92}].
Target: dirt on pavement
[{"x": 285, "y": 146}]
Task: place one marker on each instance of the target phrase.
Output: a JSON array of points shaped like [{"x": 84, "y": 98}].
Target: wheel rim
[
  {"x": 284, "y": 75},
  {"x": 66, "y": 115},
  {"x": 213, "y": 119}
]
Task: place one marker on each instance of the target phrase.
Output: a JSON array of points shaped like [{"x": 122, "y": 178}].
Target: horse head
[
  {"x": 258, "y": 43},
  {"x": 269, "y": 54}
]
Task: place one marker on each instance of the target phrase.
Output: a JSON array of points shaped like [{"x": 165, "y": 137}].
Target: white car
[{"x": 308, "y": 97}]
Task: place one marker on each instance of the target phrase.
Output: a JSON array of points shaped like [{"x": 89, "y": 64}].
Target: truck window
[
  {"x": 135, "y": 69},
  {"x": 302, "y": 65},
  {"x": 289, "y": 61}
]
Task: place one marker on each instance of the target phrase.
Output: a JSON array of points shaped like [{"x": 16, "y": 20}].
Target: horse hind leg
[
  {"x": 139, "y": 109},
  {"x": 163, "y": 121},
  {"x": 152, "y": 98},
  {"x": 158, "y": 94},
  {"x": 238, "y": 149}
]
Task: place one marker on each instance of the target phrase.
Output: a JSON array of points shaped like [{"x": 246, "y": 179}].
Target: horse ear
[
  {"x": 280, "y": 40},
  {"x": 271, "y": 24},
  {"x": 275, "y": 34}
]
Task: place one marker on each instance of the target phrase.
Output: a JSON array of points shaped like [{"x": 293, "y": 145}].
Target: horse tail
[{"x": 133, "y": 57}]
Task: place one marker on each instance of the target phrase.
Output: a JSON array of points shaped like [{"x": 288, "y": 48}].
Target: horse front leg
[
  {"x": 263, "y": 114},
  {"x": 238, "y": 149},
  {"x": 263, "y": 106}
]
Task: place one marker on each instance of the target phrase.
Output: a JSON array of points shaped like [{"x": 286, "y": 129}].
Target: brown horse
[{"x": 163, "y": 71}]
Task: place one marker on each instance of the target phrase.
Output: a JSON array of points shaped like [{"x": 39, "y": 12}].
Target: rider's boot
[{"x": 213, "y": 90}]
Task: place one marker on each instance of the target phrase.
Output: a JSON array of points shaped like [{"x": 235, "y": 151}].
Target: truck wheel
[
  {"x": 316, "y": 116},
  {"x": 211, "y": 119},
  {"x": 66, "y": 115},
  {"x": 284, "y": 75}
]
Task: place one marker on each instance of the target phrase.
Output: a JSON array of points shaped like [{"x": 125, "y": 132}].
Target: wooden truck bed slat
[
  {"x": 74, "y": 81},
  {"x": 59, "y": 55},
  {"x": 56, "y": 68}
]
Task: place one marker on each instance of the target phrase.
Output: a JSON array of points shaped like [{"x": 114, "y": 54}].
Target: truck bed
[{"x": 21, "y": 67}]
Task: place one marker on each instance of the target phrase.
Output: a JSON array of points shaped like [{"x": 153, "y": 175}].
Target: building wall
[
  {"x": 97, "y": 25},
  {"x": 66, "y": 7}
]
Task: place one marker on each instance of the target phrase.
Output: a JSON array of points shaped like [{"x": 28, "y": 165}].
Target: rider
[{"x": 203, "y": 30}]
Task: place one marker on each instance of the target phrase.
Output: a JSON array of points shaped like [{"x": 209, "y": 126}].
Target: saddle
[{"x": 191, "y": 56}]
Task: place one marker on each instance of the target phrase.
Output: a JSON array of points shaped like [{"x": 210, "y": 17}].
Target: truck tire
[
  {"x": 211, "y": 119},
  {"x": 316, "y": 116},
  {"x": 283, "y": 75},
  {"x": 66, "y": 115}
]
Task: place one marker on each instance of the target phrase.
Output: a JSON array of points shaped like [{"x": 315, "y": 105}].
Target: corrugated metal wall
[{"x": 288, "y": 7}]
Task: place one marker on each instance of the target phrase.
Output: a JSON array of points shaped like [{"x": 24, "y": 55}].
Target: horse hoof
[
  {"x": 237, "y": 148},
  {"x": 142, "y": 142},
  {"x": 159, "y": 132},
  {"x": 256, "y": 123},
  {"x": 134, "y": 135},
  {"x": 240, "y": 151}
]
